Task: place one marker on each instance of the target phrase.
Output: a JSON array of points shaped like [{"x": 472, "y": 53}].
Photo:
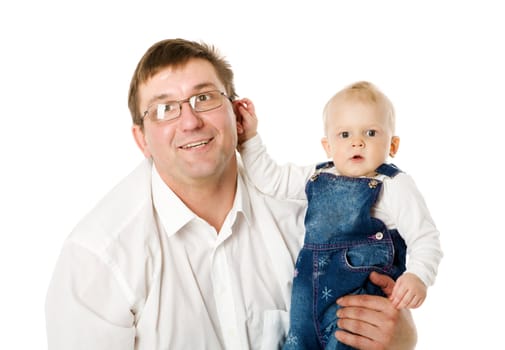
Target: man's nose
[{"x": 189, "y": 119}]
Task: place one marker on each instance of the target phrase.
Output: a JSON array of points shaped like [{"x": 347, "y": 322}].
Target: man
[{"x": 185, "y": 253}]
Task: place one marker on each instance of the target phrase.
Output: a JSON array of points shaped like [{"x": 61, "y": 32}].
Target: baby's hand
[
  {"x": 247, "y": 123},
  {"x": 409, "y": 291}
]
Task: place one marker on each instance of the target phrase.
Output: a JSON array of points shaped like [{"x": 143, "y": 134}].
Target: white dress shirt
[
  {"x": 400, "y": 204},
  {"x": 141, "y": 271}
]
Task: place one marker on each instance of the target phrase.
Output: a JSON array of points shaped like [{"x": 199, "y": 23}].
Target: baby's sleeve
[{"x": 285, "y": 181}]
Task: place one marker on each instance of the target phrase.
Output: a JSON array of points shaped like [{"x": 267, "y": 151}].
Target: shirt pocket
[{"x": 275, "y": 329}]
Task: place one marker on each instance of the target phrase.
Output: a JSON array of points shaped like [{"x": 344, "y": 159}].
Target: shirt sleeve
[
  {"x": 86, "y": 307},
  {"x": 407, "y": 209},
  {"x": 285, "y": 181}
]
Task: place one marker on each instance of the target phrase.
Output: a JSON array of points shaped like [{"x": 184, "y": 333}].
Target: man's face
[{"x": 197, "y": 146}]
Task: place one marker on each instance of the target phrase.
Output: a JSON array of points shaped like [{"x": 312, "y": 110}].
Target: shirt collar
[
  {"x": 174, "y": 214},
  {"x": 242, "y": 203}
]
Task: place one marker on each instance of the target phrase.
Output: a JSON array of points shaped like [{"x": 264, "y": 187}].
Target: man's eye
[
  {"x": 169, "y": 107},
  {"x": 203, "y": 97},
  {"x": 344, "y": 134},
  {"x": 371, "y": 133}
]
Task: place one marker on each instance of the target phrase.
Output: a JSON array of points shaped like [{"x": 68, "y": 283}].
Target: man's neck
[{"x": 211, "y": 198}]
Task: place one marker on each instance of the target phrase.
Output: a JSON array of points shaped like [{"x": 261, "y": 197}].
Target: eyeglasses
[{"x": 201, "y": 102}]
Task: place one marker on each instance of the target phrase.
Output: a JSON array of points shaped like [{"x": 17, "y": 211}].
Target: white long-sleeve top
[
  {"x": 400, "y": 205},
  {"x": 143, "y": 272}
]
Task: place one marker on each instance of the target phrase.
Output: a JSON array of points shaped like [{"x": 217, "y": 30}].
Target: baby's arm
[
  {"x": 408, "y": 211},
  {"x": 408, "y": 292},
  {"x": 280, "y": 181},
  {"x": 247, "y": 122}
]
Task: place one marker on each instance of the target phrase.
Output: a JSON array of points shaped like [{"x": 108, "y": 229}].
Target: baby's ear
[
  {"x": 395, "y": 144},
  {"x": 326, "y": 146}
]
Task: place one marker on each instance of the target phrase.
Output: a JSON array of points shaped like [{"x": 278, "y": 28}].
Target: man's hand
[{"x": 373, "y": 323}]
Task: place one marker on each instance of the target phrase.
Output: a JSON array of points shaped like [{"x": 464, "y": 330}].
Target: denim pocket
[{"x": 370, "y": 255}]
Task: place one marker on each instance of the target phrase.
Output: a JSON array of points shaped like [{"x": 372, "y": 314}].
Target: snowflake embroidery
[
  {"x": 326, "y": 293},
  {"x": 331, "y": 327},
  {"x": 291, "y": 339},
  {"x": 323, "y": 261},
  {"x": 328, "y": 333},
  {"x": 325, "y": 338}
]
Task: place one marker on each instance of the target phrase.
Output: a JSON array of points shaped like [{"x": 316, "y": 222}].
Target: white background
[{"x": 65, "y": 138}]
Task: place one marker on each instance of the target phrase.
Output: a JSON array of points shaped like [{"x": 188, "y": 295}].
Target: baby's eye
[
  {"x": 344, "y": 134},
  {"x": 371, "y": 133}
]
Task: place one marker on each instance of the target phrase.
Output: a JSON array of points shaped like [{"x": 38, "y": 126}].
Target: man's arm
[
  {"x": 85, "y": 306},
  {"x": 373, "y": 323}
]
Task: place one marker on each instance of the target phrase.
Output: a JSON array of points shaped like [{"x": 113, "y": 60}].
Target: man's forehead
[
  {"x": 194, "y": 69},
  {"x": 178, "y": 81}
]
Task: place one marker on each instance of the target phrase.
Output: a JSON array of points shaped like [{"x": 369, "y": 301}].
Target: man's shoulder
[{"x": 125, "y": 210}]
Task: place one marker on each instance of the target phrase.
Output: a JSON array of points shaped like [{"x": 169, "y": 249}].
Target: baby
[{"x": 363, "y": 214}]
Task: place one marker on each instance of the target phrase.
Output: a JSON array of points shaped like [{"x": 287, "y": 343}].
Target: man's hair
[
  {"x": 175, "y": 53},
  {"x": 367, "y": 92}
]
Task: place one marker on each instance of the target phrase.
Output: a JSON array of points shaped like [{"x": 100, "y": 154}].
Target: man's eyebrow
[
  {"x": 202, "y": 86},
  {"x": 156, "y": 98}
]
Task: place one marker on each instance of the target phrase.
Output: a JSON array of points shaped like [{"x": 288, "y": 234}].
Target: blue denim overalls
[{"x": 343, "y": 244}]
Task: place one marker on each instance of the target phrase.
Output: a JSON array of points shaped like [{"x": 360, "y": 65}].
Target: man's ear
[
  {"x": 395, "y": 144},
  {"x": 238, "y": 117},
  {"x": 140, "y": 140},
  {"x": 326, "y": 146},
  {"x": 240, "y": 126}
]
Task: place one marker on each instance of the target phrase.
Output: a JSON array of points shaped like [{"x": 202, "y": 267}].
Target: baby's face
[{"x": 359, "y": 137}]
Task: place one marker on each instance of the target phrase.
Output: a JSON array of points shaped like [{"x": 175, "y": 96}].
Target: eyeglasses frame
[{"x": 188, "y": 100}]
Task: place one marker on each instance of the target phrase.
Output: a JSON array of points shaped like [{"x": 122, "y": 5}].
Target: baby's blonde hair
[{"x": 366, "y": 92}]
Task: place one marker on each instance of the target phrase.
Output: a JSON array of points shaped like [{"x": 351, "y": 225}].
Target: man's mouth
[
  {"x": 357, "y": 157},
  {"x": 196, "y": 144}
]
